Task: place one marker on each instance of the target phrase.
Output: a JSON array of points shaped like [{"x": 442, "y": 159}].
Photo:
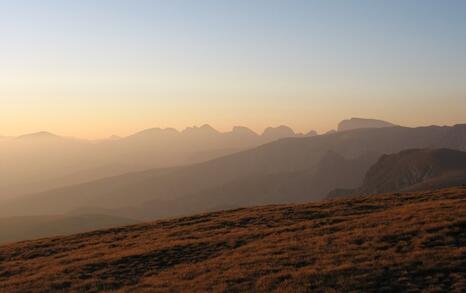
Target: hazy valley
[
  {"x": 232, "y": 146},
  {"x": 41, "y": 161},
  {"x": 287, "y": 170}
]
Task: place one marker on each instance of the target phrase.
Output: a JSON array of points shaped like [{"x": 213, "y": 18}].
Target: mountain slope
[
  {"x": 299, "y": 186},
  {"x": 416, "y": 170},
  {"x": 284, "y": 157},
  {"x": 385, "y": 243}
]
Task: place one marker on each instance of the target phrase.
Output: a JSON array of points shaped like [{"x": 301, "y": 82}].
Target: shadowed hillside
[
  {"x": 412, "y": 170},
  {"x": 384, "y": 243},
  {"x": 416, "y": 170}
]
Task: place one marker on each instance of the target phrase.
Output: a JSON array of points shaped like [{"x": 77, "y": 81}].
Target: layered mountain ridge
[
  {"x": 271, "y": 173},
  {"x": 40, "y": 161}
]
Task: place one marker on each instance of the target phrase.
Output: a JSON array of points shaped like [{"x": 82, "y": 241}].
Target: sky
[{"x": 93, "y": 68}]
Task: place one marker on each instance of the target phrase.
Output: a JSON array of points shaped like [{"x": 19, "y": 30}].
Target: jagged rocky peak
[
  {"x": 156, "y": 131},
  {"x": 278, "y": 132},
  {"x": 205, "y": 129}
]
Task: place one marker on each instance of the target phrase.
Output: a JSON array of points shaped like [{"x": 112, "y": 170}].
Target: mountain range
[
  {"x": 287, "y": 170},
  {"x": 41, "y": 161}
]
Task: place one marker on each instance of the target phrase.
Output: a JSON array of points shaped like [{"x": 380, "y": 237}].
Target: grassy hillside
[{"x": 388, "y": 243}]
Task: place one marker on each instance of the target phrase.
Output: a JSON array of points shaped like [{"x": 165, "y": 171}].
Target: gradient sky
[{"x": 92, "y": 68}]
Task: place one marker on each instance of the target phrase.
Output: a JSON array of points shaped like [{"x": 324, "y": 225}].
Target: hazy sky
[{"x": 92, "y": 68}]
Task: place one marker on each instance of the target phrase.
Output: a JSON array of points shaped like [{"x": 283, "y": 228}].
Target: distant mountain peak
[
  {"x": 38, "y": 135},
  {"x": 154, "y": 131},
  {"x": 311, "y": 133},
  {"x": 279, "y": 131},
  {"x": 357, "y": 123},
  {"x": 243, "y": 130},
  {"x": 206, "y": 128}
]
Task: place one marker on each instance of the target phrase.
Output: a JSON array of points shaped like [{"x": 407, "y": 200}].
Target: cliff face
[{"x": 416, "y": 170}]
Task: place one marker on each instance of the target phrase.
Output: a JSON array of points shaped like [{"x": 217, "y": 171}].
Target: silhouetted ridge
[
  {"x": 311, "y": 133},
  {"x": 357, "y": 123},
  {"x": 38, "y": 135},
  {"x": 243, "y": 131},
  {"x": 282, "y": 171},
  {"x": 282, "y": 131},
  {"x": 155, "y": 132},
  {"x": 43, "y": 161},
  {"x": 204, "y": 129}
]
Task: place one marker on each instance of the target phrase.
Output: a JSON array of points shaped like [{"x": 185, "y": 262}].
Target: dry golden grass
[{"x": 385, "y": 243}]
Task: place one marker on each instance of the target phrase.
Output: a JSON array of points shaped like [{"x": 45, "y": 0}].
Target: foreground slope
[{"x": 388, "y": 243}]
